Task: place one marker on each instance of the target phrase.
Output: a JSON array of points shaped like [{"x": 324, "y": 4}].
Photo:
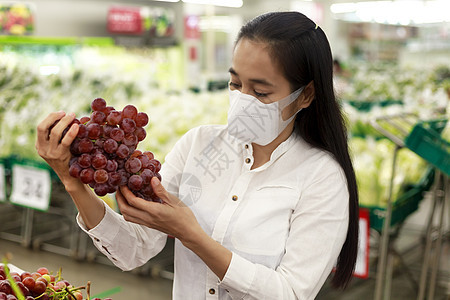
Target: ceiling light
[{"x": 226, "y": 3}]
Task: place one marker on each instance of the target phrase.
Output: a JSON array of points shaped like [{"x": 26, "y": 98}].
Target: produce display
[
  {"x": 105, "y": 154},
  {"x": 373, "y": 90},
  {"x": 41, "y": 284}
]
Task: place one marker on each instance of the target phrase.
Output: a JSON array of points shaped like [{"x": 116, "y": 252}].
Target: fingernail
[{"x": 156, "y": 181}]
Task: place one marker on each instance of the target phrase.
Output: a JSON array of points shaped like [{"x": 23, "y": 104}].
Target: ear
[{"x": 307, "y": 95}]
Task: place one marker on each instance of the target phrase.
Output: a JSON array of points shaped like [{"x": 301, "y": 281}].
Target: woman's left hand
[{"x": 172, "y": 216}]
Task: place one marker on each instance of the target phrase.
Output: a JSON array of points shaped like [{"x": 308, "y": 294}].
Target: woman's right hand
[{"x": 54, "y": 150}]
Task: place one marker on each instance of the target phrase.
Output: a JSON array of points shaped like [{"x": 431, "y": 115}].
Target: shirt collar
[{"x": 279, "y": 151}]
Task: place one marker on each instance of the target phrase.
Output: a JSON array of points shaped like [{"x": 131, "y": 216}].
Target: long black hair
[{"x": 303, "y": 53}]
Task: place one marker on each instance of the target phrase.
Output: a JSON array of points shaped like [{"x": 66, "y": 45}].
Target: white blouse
[{"x": 285, "y": 222}]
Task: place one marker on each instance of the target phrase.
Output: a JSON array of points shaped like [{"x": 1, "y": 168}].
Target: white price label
[
  {"x": 31, "y": 187},
  {"x": 2, "y": 184}
]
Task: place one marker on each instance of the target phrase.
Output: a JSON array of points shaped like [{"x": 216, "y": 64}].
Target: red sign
[
  {"x": 192, "y": 27},
  {"x": 125, "y": 20},
  {"x": 362, "y": 261}
]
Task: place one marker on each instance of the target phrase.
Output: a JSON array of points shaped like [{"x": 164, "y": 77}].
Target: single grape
[
  {"x": 99, "y": 161},
  {"x": 84, "y": 120},
  {"x": 39, "y": 287},
  {"x": 25, "y": 275},
  {"x": 99, "y": 143},
  {"x": 120, "y": 163},
  {"x": 94, "y": 131},
  {"x": 75, "y": 170},
  {"x": 124, "y": 176},
  {"x": 135, "y": 182},
  {"x": 144, "y": 160},
  {"x": 114, "y": 117},
  {"x": 43, "y": 270},
  {"x": 99, "y": 104},
  {"x": 107, "y": 129},
  {"x": 117, "y": 134},
  {"x": 110, "y": 146},
  {"x": 132, "y": 148},
  {"x": 108, "y": 109},
  {"x": 147, "y": 191},
  {"x": 128, "y": 125},
  {"x": 82, "y": 131},
  {"x": 149, "y": 154},
  {"x": 136, "y": 153},
  {"x": 100, "y": 176},
  {"x": 154, "y": 165},
  {"x": 130, "y": 139},
  {"x": 133, "y": 165},
  {"x": 123, "y": 151},
  {"x": 98, "y": 117},
  {"x": 85, "y": 146},
  {"x": 84, "y": 160},
  {"x": 129, "y": 111},
  {"x": 140, "y": 133},
  {"x": 98, "y": 150},
  {"x": 74, "y": 147},
  {"x": 29, "y": 282},
  {"x": 3, "y": 296},
  {"x": 25, "y": 291},
  {"x": 114, "y": 178},
  {"x": 5, "y": 287},
  {"x": 111, "y": 165},
  {"x": 60, "y": 285},
  {"x": 87, "y": 175},
  {"x": 147, "y": 176},
  {"x": 141, "y": 119},
  {"x": 101, "y": 189}
]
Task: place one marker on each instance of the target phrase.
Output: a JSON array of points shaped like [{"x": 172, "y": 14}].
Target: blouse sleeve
[
  {"x": 318, "y": 228},
  {"x": 127, "y": 245}
]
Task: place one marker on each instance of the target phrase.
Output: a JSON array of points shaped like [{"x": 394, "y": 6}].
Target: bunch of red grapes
[
  {"x": 38, "y": 285},
  {"x": 105, "y": 155}
]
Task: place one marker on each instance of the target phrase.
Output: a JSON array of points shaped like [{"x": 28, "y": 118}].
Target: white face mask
[{"x": 251, "y": 121}]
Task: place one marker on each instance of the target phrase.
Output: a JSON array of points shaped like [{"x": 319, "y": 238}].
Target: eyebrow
[{"x": 254, "y": 80}]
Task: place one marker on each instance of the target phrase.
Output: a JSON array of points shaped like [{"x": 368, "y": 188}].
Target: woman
[{"x": 262, "y": 208}]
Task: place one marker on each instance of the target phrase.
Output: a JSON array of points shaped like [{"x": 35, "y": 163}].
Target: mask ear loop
[{"x": 289, "y": 100}]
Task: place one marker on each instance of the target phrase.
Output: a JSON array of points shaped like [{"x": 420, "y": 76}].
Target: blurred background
[{"x": 171, "y": 59}]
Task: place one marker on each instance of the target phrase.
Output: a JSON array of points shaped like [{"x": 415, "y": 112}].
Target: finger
[
  {"x": 136, "y": 202},
  {"x": 44, "y": 125},
  {"x": 134, "y": 207},
  {"x": 57, "y": 130},
  {"x": 159, "y": 190},
  {"x": 164, "y": 195},
  {"x": 70, "y": 135}
]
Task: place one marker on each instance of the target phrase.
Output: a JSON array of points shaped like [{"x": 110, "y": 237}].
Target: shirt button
[
  {"x": 234, "y": 198},
  {"x": 212, "y": 291},
  {"x": 246, "y": 146},
  {"x": 248, "y": 160}
]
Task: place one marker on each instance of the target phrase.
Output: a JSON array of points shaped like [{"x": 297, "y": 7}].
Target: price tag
[
  {"x": 362, "y": 260},
  {"x": 2, "y": 184},
  {"x": 31, "y": 187}
]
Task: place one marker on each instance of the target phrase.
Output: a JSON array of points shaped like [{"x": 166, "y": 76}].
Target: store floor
[{"x": 107, "y": 280}]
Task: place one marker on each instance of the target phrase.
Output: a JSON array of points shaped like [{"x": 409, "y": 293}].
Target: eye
[
  {"x": 260, "y": 95},
  {"x": 234, "y": 84}
]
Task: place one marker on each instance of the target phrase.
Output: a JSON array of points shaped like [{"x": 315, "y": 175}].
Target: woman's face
[{"x": 254, "y": 72}]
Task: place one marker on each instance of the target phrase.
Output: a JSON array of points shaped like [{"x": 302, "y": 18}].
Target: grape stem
[{"x": 88, "y": 290}]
